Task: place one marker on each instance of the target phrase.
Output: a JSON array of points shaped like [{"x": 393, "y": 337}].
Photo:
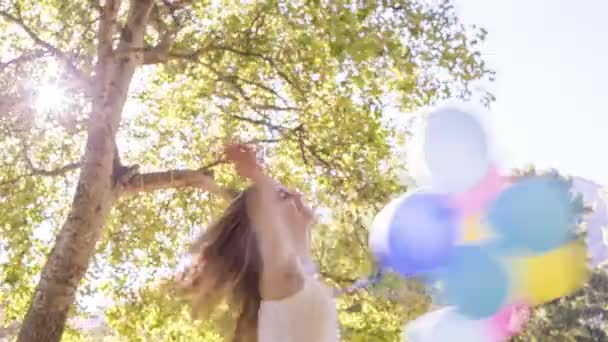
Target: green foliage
[
  {"x": 308, "y": 80},
  {"x": 578, "y": 317},
  {"x": 154, "y": 315}
]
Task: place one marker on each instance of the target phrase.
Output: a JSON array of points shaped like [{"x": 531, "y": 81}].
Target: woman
[{"x": 256, "y": 258}]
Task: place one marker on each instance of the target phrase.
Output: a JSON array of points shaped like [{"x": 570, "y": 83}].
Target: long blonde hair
[{"x": 226, "y": 269}]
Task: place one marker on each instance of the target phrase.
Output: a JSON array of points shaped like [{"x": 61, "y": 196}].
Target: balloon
[
  {"x": 446, "y": 325},
  {"x": 474, "y": 282},
  {"x": 417, "y": 169},
  {"x": 473, "y": 201},
  {"x": 534, "y": 214},
  {"x": 596, "y": 233},
  {"x": 542, "y": 278},
  {"x": 474, "y": 230},
  {"x": 422, "y": 233},
  {"x": 378, "y": 235},
  {"x": 455, "y": 150},
  {"x": 509, "y": 321}
]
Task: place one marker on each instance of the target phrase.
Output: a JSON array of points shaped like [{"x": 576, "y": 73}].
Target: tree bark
[
  {"x": 96, "y": 192},
  {"x": 175, "y": 179}
]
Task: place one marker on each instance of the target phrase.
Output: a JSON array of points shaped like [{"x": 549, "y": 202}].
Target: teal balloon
[
  {"x": 536, "y": 214},
  {"x": 455, "y": 150},
  {"x": 474, "y": 282}
]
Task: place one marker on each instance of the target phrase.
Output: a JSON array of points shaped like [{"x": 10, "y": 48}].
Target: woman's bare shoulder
[{"x": 282, "y": 281}]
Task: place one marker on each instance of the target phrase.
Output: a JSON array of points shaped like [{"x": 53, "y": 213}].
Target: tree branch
[
  {"x": 314, "y": 152},
  {"x": 258, "y": 122},
  {"x": 42, "y": 172},
  {"x": 22, "y": 59},
  {"x": 56, "y": 172},
  {"x": 266, "y": 59},
  {"x": 14, "y": 103},
  {"x": 233, "y": 78},
  {"x": 162, "y": 54},
  {"x": 105, "y": 34},
  {"x": 175, "y": 179},
  {"x": 157, "y": 54},
  {"x": 157, "y": 22},
  {"x": 177, "y": 4},
  {"x": 112, "y": 97},
  {"x": 36, "y": 171}
]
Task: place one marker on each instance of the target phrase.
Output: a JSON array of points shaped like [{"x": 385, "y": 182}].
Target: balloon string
[{"x": 363, "y": 283}]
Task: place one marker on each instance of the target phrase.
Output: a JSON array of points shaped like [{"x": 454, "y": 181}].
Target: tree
[{"x": 162, "y": 84}]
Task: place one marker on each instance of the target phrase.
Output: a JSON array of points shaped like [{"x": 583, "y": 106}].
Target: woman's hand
[{"x": 244, "y": 159}]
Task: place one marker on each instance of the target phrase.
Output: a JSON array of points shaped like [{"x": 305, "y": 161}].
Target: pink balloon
[
  {"x": 446, "y": 324},
  {"x": 477, "y": 198},
  {"x": 509, "y": 321}
]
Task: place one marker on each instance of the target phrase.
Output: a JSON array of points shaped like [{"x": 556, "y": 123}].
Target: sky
[{"x": 551, "y": 61}]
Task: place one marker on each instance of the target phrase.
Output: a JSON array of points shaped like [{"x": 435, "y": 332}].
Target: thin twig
[
  {"x": 36, "y": 171},
  {"x": 22, "y": 59}
]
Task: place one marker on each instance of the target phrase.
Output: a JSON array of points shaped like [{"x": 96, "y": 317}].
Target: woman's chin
[
  {"x": 303, "y": 219},
  {"x": 309, "y": 214},
  {"x": 305, "y": 224},
  {"x": 309, "y": 219}
]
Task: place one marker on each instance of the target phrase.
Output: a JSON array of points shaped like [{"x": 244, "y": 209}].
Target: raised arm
[
  {"x": 246, "y": 163},
  {"x": 282, "y": 272}
]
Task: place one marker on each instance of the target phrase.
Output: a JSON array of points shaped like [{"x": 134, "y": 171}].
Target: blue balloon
[
  {"x": 474, "y": 282},
  {"x": 536, "y": 214},
  {"x": 421, "y": 233},
  {"x": 455, "y": 150}
]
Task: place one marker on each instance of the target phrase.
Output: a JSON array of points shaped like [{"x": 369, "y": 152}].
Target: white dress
[{"x": 308, "y": 316}]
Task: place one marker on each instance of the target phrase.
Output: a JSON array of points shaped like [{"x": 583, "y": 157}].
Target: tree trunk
[{"x": 96, "y": 192}]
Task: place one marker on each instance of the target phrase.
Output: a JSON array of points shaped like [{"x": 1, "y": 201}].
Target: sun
[{"x": 50, "y": 96}]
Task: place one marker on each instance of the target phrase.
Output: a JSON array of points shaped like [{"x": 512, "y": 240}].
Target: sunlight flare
[{"x": 50, "y": 97}]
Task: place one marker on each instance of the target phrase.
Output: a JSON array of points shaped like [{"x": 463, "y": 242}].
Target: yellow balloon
[
  {"x": 542, "y": 278},
  {"x": 474, "y": 230}
]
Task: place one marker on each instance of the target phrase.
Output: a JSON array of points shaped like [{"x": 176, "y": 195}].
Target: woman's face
[{"x": 298, "y": 215}]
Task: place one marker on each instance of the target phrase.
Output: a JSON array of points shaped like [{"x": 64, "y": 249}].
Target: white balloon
[
  {"x": 455, "y": 150},
  {"x": 445, "y": 325},
  {"x": 378, "y": 233},
  {"x": 414, "y": 155}
]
